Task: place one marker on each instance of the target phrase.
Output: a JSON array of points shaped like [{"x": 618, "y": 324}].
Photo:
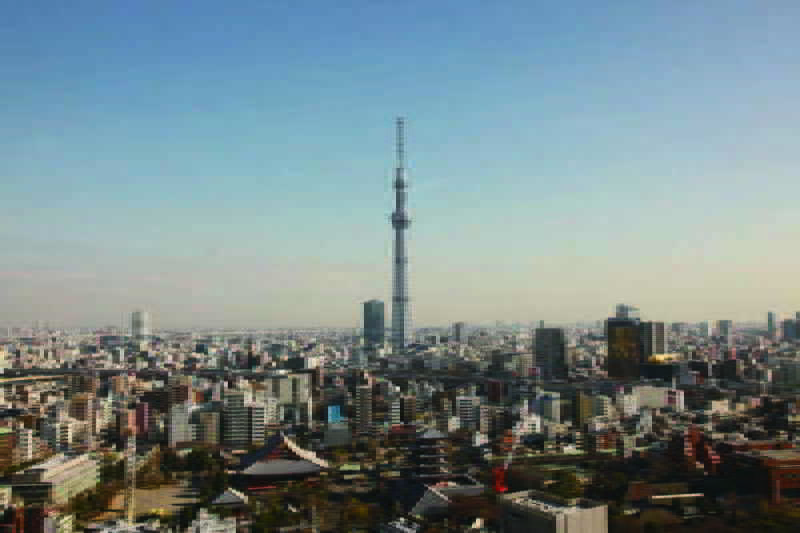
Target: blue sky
[{"x": 230, "y": 164}]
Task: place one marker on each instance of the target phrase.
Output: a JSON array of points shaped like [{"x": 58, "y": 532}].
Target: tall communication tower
[
  {"x": 130, "y": 479},
  {"x": 401, "y": 308}
]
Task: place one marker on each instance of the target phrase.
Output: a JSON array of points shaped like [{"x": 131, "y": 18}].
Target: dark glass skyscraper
[
  {"x": 653, "y": 339},
  {"x": 374, "y": 325},
  {"x": 624, "y": 348},
  {"x": 550, "y": 349}
]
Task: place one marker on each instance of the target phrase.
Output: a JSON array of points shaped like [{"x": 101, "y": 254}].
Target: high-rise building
[
  {"x": 6, "y": 447},
  {"x": 551, "y": 353},
  {"x": 374, "y": 325},
  {"x": 80, "y": 407},
  {"x": 394, "y": 411},
  {"x": 142, "y": 418},
  {"x": 23, "y": 438},
  {"x": 179, "y": 428},
  {"x": 468, "y": 411},
  {"x": 235, "y": 420},
  {"x": 408, "y": 409},
  {"x": 584, "y": 408},
  {"x": 401, "y": 306},
  {"x": 624, "y": 348},
  {"x": 652, "y": 339},
  {"x": 364, "y": 409},
  {"x": 180, "y": 389},
  {"x": 627, "y": 312},
  {"x": 725, "y": 330},
  {"x": 772, "y": 325},
  {"x": 460, "y": 332},
  {"x": 789, "y": 329},
  {"x": 141, "y": 326},
  {"x": 208, "y": 427},
  {"x": 258, "y": 423}
]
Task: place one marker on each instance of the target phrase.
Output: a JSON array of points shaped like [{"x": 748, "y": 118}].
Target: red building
[
  {"x": 771, "y": 473},
  {"x": 142, "y": 418}
]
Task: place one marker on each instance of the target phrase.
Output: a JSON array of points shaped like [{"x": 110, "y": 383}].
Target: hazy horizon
[{"x": 230, "y": 165}]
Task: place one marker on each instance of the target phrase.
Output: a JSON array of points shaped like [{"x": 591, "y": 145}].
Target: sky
[{"x": 227, "y": 164}]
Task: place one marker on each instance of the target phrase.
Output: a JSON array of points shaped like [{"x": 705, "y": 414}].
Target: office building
[
  {"x": 467, "y": 409},
  {"x": 624, "y": 348},
  {"x": 526, "y": 511},
  {"x": 394, "y": 411},
  {"x": 209, "y": 523},
  {"x": 374, "y": 325},
  {"x": 6, "y": 447},
  {"x": 208, "y": 427},
  {"x": 725, "y": 330},
  {"x": 788, "y": 330},
  {"x": 290, "y": 390},
  {"x": 57, "y": 434},
  {"x": 235, "y": 420},
  {"x": 460, "y": 332},
  {"x": 772, "y": 325},
  {"x": 549, "y": 406},
  {"x": 652, "y": 339},
  {"x": 364, "y": 409},
  {"x": 180, "y": 430},
  {"x": 141, "y": 326},
  {"x": 23, "y": 445},
  {"x": 272, "y": 412},
  {"x": 627, "y": 312},
  {"x": 80, "y": 407},
  {"x": 408, "y": 409},
  {"x": 57, "y": 480},
  {"x": 583, "y": 409},
  {"x": 258, "y": 423},
  {"x": 142, "y": 418},
  {"x": 550, "y": 348}
]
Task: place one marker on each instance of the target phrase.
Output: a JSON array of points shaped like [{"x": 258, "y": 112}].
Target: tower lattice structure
[{"x": 401, "y": 306}]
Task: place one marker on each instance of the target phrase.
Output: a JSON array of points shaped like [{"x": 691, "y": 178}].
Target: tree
[
  {"x": 609, "y": 484},
  {"x": 199, "y": 460},
  {"x": 567, "y": 485}
]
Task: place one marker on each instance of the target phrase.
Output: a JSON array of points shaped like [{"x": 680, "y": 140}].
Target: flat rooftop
[
  {"x": 791, "y": 454},
  {"x": 548, "y": 504}
]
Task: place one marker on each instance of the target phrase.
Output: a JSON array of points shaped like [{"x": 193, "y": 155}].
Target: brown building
[
  {"x": 119, "y": 384},
  {"x": 83, "y": 384},
  {"x": 80, "y": 407},
  {"x": 180, "y": 393},
  {"x": 6, "y": 447},
  {"x": 408, "y": 409},
  {"x": 584, "y": 408}
]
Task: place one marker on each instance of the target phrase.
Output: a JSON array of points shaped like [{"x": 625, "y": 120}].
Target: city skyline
[{"x": 567, "y": 159}]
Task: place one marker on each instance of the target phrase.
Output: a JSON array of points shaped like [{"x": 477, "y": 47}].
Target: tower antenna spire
[{"x": 401, "y": 154}]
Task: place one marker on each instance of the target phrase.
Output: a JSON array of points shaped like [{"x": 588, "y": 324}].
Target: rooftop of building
[
  {"x": 57, "y": 460},
  {"x": 548, "y": 503},
  {"x": 121, "y": 526},
  {"x": 791, "y": 455}
]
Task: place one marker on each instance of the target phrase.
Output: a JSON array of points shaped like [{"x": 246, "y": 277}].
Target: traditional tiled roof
[
  {"x": 230, "y": 497},
  {"x": 281, "y": 467}
]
